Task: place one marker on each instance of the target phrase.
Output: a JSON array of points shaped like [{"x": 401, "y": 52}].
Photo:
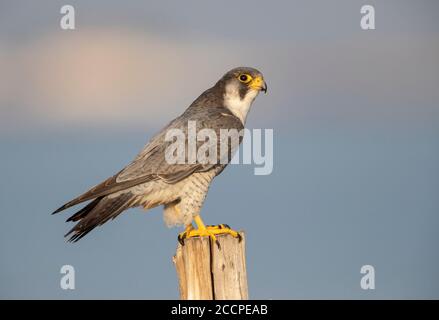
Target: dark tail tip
[{"x": 59, "y": 209}]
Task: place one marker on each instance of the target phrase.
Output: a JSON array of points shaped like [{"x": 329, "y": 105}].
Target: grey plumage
[{"x": 150, "y": 181}]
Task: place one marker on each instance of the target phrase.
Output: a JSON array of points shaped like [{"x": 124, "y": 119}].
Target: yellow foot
[
  {"x": 224, "y": 229},
  {"x": 208, "y": 231}
]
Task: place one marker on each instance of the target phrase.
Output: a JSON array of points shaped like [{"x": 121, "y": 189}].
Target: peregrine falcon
[{"x": 150, "y": 181}]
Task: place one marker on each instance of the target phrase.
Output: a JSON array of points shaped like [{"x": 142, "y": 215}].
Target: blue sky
[{"x": 355, "y": 117}]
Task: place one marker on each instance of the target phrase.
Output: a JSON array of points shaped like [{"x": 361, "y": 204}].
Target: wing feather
[{"x": 150, "y": 164}]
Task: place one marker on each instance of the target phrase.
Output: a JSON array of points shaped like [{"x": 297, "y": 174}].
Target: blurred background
[{"x": 356, "y": 142}]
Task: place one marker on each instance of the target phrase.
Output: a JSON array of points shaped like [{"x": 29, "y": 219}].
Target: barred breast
[
  {"x": 182, "y": 200},
  {"x": 191, "y": 197}
]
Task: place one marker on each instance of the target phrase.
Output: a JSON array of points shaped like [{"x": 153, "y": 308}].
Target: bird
[{"x": 181, "y": 188}]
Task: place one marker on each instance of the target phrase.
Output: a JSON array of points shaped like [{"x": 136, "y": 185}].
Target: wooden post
[{"x": 208, "y": 273}]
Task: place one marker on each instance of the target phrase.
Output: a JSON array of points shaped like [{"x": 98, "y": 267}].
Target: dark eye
[{"x": 245, "y": 78}]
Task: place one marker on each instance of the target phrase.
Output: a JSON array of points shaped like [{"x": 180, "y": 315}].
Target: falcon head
[
  {"x": 239, "y": 87},
  {"x": 245, "y": 79}
]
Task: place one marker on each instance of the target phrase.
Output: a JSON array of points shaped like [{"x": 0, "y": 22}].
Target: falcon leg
[{"x": 206, "y": 231}]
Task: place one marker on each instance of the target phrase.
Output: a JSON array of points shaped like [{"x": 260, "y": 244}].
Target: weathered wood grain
[{"x": 208, "y": 273}]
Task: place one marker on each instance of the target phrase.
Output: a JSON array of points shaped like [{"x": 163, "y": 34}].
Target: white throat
[{"x": 239, "y": 107}]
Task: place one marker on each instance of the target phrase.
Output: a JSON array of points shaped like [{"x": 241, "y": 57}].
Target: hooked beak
[
  {"x": 259, "y": 83},
  {"x": 264, "y": 87}
]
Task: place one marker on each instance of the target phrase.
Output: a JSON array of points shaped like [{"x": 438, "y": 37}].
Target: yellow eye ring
[{"x": 244, "y": 78}]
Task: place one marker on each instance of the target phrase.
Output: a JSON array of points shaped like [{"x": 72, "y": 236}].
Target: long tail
[{"x": 98, "y": 212}]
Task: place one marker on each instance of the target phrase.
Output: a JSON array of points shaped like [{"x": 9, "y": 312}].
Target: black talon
[
  {"x": 217, "y": 244},
  {"x": 181, "y": 239},
  {"x": 239, "y": 238},
  {"x": 226, "y": 226}
]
